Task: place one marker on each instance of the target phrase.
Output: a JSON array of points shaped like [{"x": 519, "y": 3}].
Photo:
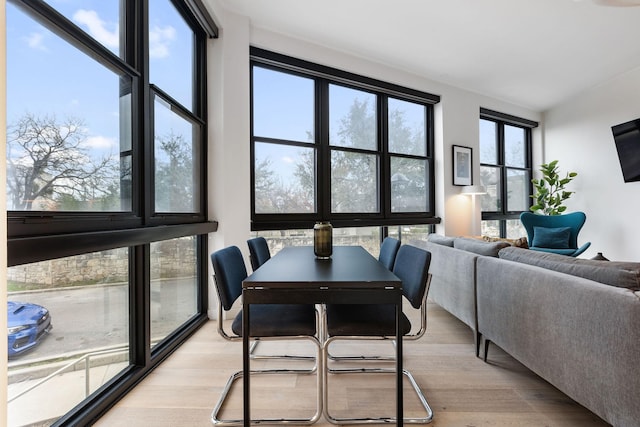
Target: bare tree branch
[{"x": 48, "y": 160}]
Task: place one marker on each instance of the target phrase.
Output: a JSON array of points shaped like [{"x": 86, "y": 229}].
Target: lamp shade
[{"x": 473, "y": 189}]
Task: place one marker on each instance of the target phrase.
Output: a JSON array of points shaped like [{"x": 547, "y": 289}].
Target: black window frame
[
  {"x": 502, "y": 215},
  {"x": 135, "y": 64},
  {"x": 324, "y": 76},
  {"x": 34, "y": 236}
]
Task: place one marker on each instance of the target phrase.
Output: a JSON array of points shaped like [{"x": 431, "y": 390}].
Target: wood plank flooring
[{"x": 461, "y": 389}]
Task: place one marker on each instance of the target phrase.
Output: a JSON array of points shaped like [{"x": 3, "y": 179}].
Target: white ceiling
[{"x": 533, "y": 53}]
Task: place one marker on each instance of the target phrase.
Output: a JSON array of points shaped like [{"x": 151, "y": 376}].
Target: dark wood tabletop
[{"x": 349, "y": 267}]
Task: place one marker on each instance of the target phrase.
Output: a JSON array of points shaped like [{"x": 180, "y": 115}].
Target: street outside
[
  {"x": 97, "y": 316},
  {"x": 85, "y": 319}
]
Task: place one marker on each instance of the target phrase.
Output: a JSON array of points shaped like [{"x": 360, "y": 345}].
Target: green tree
[
  {"x": 272, "y": 195},
  {"x": 174, "y": 174},
  {"x": 408, "y": 175},
  {"x": 354, "y": 175}
]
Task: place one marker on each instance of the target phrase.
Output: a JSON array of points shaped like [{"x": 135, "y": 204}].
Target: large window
[
  {"x": 505, "y": 172},
  {"x": 106, "y": 193},
  {"x": 330, "y": 145}
]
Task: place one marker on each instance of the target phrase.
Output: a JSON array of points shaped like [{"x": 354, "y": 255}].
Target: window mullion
[
  {"x": 384, "y": 167},
  {"x": 323, "y": 151}
]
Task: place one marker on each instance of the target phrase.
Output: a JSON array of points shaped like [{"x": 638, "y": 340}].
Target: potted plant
[{"x": 549, "y": 191}]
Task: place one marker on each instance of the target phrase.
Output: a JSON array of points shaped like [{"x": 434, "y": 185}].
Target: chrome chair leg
[
  {"x": 254, "y": 356},
  {"x": 317, "y": 369},
  {"x": 409, "y": 337},
  {"x": 372, "y": 420}
]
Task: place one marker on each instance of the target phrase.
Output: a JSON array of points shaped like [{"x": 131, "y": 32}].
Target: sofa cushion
[
  {"x": 520, "y": 242},
  {"x": 478, "y": 246},
  {"x": 544, "y": 237},
  {"x": 440, "y": 239},
  {"x": 620, "y": 274}
]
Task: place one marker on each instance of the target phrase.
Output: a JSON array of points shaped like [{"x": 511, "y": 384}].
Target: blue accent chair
[{"x": 555, "y": 233}]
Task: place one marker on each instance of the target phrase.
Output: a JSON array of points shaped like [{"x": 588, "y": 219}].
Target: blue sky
[{"x": 48, "y": 76}]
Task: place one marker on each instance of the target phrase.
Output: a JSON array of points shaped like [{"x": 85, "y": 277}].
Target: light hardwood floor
[{"x": 462, "y": 389}]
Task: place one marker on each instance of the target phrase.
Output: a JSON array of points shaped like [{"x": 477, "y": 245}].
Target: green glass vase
[{"x": 323, "y": 240}]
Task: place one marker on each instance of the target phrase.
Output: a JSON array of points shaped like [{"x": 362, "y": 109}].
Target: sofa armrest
[{"x": 453, "y": 284}]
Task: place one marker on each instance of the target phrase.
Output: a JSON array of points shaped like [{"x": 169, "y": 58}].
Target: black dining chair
[
  {"x": 387, "y": 257},
  {"x": 258, "y": 252},
  {"x": 267, "y": 322},
  {"x": 388, "y": 252},
  {"x": 378, "y": 321}
]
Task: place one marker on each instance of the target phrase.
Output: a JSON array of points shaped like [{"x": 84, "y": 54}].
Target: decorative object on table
[
  {"x": 323, "y": 239},
  {"x": 549, "y": 191},
  {"x": 473, "y": 191},
  {"x": 555, "y": 233},
  {"x": 462, "y": 165},
  {"x": 600, "y": 257}
]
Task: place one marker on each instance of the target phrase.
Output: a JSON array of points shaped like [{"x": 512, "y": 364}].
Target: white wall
[
  {"x": 228, "y": 145},
  {"x": 456, "y": 117},
  {"x": 578, "y": 134}
]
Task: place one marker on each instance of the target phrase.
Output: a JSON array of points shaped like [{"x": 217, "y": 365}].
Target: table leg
[
  {"x": 245, "y": 364},
  {"x": 400, "y": 399}
]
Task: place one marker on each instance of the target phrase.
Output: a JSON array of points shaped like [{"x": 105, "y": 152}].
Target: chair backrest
[
  {"x": 412, "y": 267},
  {"x": 388, "y": 251},
  {"x": 258, "y": 251},
  {"x": 230, "y": 271},
  {"x": 573, "y": 220}
]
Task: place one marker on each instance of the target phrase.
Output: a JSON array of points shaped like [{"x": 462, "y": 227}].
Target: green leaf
[{"x": 549, "y": 191}]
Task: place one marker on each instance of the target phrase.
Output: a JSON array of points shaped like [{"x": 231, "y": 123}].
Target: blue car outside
[{"x": 27, "y": 325}]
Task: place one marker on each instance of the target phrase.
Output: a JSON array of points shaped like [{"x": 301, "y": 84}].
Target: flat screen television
[{"x": 627, "y": 139}]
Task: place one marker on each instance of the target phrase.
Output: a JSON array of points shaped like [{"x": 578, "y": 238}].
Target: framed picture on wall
[{"x": 462, "y": 172}]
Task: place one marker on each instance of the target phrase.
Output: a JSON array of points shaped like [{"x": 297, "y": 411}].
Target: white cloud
[
  {"x": 36, "y": 41},
  {"x": 288, "y": 159},
  {"x": 100, "y": 142},
  {"x": 98, "y": 28},
  {"x": 159, "y": 40}
]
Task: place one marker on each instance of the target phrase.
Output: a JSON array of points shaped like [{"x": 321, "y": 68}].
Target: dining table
[{"x": 296, "y": 276}]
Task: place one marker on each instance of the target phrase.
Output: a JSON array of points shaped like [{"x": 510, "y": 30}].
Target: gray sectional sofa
[
  {"x": 453, "y": 275},
  {"x": 574, "y": 322}
]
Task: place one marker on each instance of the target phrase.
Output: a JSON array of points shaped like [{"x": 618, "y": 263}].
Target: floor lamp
[{"x": 473, "y": 191}]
